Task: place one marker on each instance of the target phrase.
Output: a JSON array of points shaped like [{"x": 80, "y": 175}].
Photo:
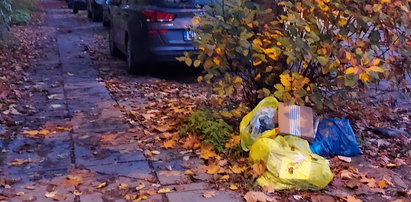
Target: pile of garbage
[{"x": 293, "y": 146}]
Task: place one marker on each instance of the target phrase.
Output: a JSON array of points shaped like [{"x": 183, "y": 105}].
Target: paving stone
[
  {"x": 166, "y": 179},
  {"x": 93, "y": 197},
  {"x": 89, "y": 155},
  {"x": 189, "y": 187},
  {"x": 41, "y": 154},
  {"x": 136, "y": 169},
  {"x": 197, "y": 196}
]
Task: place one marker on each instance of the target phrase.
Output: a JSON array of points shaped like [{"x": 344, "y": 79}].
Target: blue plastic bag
[{"x": 335, "y": 137}]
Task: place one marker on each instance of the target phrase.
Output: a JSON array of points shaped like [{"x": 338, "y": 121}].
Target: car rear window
[{"x": 184, "y": 3}]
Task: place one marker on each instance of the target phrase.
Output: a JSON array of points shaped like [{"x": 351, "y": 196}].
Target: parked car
[
  {"x": 77, "y": 5},
  {"x": 151, "y": 31},
  {"x": 106, "y": 13},
  {"x": 95, "y": 9}
]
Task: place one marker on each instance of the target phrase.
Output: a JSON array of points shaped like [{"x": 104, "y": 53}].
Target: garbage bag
[
  {"x": 335, "y": 137},
  {"x": 260, "y": 122},
  {"x": 290, "y": 164}
]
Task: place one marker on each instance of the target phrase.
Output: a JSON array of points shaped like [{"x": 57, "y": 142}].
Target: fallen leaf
[
  {"x": 101, "y": 185},
  {"x": 169, "y": 144},
  {"x": 237, "y": 170},
  {"x": 74, "y": 180},
  {"x": 259, "y": 168},
  {"x": 31, "y": 132},
  {"x": 130, "y": 196},
  {"x": 140, "y": 186},
  {"x": 122, "y": 186},
  {"x": 371, "y": 182},
  {"x": 163, "y": 190},
  {"x": 191, "y": 142},
  {"x": 18, "y": 162},
  {"x": 233, "y": 187},
  {"x": 254, "y": 196},
  {"x": 213, "y": 169},
  {"x": 188, "y": 172},
  {"x": 44, "y": 132},
  {"x": 140, "y": 198},
  {"x": 347, "y": 175},
  {"x": 108, "y": 138},
  {"x": 383, "y": 183},
  {"x": 50, "y": 194},
  {"x": 352, "y": 199},
  {"x": 30, "y": 187},
  {"x": 206, "y": 151},
  {"x": 170, "y": 173},
  {"x": 345, "y": 158},
  {"x": 209, "y": 194}
]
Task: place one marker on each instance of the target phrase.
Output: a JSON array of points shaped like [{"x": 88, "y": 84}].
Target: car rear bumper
[{"x": 168, "y": 54}]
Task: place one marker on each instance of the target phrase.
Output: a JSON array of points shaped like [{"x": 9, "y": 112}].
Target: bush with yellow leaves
[{"x": 309, "y": 52}]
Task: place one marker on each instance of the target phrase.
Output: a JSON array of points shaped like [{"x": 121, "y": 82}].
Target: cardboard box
[{"x": 296, "y": 120}]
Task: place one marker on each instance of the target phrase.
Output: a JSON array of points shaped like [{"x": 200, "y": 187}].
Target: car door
[{"x": 116, "y": 28}]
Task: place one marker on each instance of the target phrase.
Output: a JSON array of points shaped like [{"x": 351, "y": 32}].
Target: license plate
[{"x": 189, "y": 35}]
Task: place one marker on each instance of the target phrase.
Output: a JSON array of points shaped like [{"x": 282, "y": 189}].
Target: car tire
[
  {"x": 106, "y": 23},
  {"x": 132, "y": 66},
  {"x": 95, "y": 15},
  {"x": 75, "y": 8},
  {"x": 114, "y": 51}
]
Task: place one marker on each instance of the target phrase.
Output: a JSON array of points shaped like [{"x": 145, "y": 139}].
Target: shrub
[
  {"x": 208, "y": 128},
  {"x": 309, "y": 52},
  {"x": 21, "y": 16},
  {"x": 5, "y": 18}
]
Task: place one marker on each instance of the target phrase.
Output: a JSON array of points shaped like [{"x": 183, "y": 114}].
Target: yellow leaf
[
  {"x": 353, "y": 199},
  {"x": 233, "y": 187},
  {"x": 224, "y": 177},
  {"x": 349, "y": 70},
  {"x": 189, "y": 172},
  {"x": 44, "y": 132},
  {"x": 257, "y": 42},
  {"x": 385, "y": 1},
  {"x": 348, "y": 55},
  {"x": 365, "y": 77},
  {"x": 375, "y": 69},
  {"x": 169, "y": 144},
  {"x": 342, "y": 22},
  {"x": 285, "y": 80},
  {"x": 217, "y": 60},
  {"x": 257, "y": 62},
  {"x": 213, "y": 169},
  {"x": 375, "y": 62},
  {"x": 322, "y": 51},
  {"x": 307, "y": 28},
  {"x": 196, "y": 20},
  {"x": 206, "y": 151},
  {"x": 31, "y": 132},
  {"x": 236, "y": 169},
  {"x": 101, "y": 185},
  {"x": 140, "y": 186},
  {"x": 163, "y": 190},
  {"x": 219, "y": 51},
  {"x": 122, "y": 186},
  {"x": 140, "y": 198}
]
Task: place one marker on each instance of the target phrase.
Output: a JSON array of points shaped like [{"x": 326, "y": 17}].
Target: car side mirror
[{"x": 114, "y": 2}]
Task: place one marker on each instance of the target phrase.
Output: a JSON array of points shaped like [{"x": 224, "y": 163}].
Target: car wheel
[
  {"x": 75, "y": 8},
  {"x": 132, "y": 65},
  {"x": 114, "y": 51},
  {"x": 106, "y": 23}
]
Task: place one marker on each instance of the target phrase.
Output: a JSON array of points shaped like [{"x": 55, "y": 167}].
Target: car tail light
[{"x": 158, "y": 16}]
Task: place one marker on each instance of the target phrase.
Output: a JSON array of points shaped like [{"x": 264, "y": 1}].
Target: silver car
[{"x": 151, "y": 31}]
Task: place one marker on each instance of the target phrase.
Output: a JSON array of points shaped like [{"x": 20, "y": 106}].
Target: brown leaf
[
  {"x": 352, "y": 199},
  {"x": 209, "y": 194},
  {"x": 213, "y": 169},
  {"x": 18, "y": 162},
  {"x": 170, "y": 173},
  {"x": 253, "y": 196},
  {"x": 347, "y": 174},
  {"x": 259, "y": 168},
  {"x": 108, "y": 138},
  {"x": 206, "y": 151},
  {"x": 191, "y": 142},
  {"x": 169, "y": 144},
  {"x": 369, "y": 181}
]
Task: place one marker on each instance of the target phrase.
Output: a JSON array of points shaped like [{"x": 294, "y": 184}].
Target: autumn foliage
[{"x": 311, "y": 52}]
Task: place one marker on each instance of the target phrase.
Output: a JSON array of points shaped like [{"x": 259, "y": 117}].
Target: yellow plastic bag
[
  {"x": 250, "y": 124},
  {"x": 290, "y": 164}
]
